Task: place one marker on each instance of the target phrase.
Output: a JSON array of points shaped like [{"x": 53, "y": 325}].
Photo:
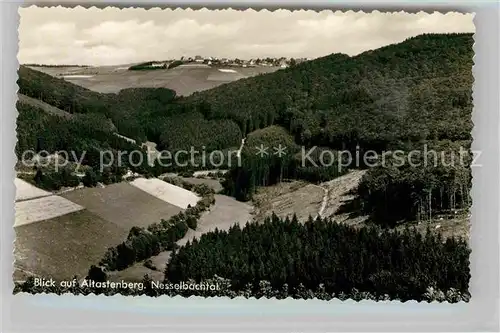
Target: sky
[{"x": 112, "y": 36}]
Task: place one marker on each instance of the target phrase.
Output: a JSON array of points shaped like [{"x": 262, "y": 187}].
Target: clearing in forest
[
  {"x": 304, "y": 199},
  {"x": 162, "y": 190},
  {"x": 340, "y": 192},
  {"x": 286, "y": 199}
]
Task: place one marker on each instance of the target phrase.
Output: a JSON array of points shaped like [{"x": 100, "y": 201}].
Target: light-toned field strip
[
  {"x": 25, "y": 190},
  {"x": 225, "y": 70},
  {"x": 41, "y": 209},
  {"x": 193, "y": 65},
  {"x": 77, "y": 76},
  {"x": 172, "y": 194}
]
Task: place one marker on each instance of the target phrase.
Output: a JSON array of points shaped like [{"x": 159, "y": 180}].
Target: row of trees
[
  {"x": 54, "y": 181},
  {"x": 324, "y": 256},
  {"x": 152, "y": 65}
]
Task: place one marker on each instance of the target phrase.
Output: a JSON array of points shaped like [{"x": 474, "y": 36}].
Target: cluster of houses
[
  {"x": 267, "y": 62},
  {"x": 213, "y": 61}
]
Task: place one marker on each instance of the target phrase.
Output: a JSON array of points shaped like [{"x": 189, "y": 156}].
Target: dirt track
[
  {"x": 338, "y": 190},
  {"x": 304, "y": 199}
]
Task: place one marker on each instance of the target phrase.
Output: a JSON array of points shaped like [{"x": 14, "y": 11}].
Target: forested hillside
[
  {"x": 408, "y": 96},
  {"x": 82, "y": 137},
  {"x": 416, "y": 90},
  {"x": 402, "y": 96},
  {"x": 141, "y": 113}
]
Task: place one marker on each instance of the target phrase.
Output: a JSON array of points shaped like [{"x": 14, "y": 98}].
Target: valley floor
[{"x": 222, "y": 215}]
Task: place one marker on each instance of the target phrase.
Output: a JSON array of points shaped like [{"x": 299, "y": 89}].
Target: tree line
[
  {"x": 392, "y": 194},
  {"x": 143, "y": 243},
  {"x": 264, "y": 290}
]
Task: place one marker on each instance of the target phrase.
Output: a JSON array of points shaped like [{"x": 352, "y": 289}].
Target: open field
[
  {"x": 212, "y": 183},
  {"x": 183, "y": 79},
  {"x": 448, "y": 227},
  {"x": 123, "y": 204},
  {"x": 169, "y": 193},
  {"x": 285, "y": 199},
  {"x": 40, "y": 209},
  {"x": 225, "y": 213},
  {"x": 25, "y": 190},
  {"x": 136, "y": 272},
  {"x": 63, "y": 246},
  {"x": 222, "y": 215}
]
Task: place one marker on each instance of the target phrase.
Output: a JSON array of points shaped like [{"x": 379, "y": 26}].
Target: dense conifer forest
[{"x": 322, "y": 252}]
